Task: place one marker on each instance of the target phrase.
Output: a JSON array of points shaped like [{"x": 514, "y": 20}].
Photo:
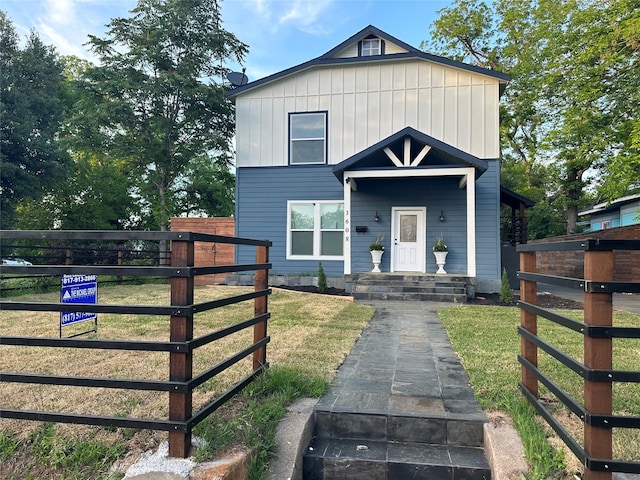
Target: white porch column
[
  {"x": 346, "y": 248},
  {"x": 471, "y": 222}
]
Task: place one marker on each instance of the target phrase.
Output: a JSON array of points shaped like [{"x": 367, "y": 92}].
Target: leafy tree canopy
[
  {"x": 574, "y": 100},
  {"x": 32, "y": 107},
  {"x": 154, "y": 99}
]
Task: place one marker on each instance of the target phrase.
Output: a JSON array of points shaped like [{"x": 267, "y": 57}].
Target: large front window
[
  {"x": 316, "y": 229},
  {"x": 307, "y": 138}
]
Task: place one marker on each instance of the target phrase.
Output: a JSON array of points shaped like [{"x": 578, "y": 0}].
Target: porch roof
[{"x": 439, "y": 154}]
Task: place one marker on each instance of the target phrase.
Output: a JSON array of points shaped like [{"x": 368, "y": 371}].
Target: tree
[
  {"x": 574, "y": 98},
  {"x": 155, "y": 96},
  {"x": 208, "y": 190},
  {"x": 96, "y": 196},
  {"x": 32, "y": 108}
]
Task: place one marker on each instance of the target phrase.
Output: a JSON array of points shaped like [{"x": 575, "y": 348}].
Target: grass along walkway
[
  {"x": 486, "y": 340},
  {"x": 310, "y": 337}
]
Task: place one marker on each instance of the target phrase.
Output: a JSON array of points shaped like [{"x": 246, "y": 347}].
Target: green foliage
[
  {"x": 208, "y": 190},
  {"x": 71, "y": 458},
  {"x": 96, "y": 196},
  {"x": 377, "y": 243},
  {"x": 154, "y": 101},
  {"x": 506, "y": 294},
  {"x": 545, "y": 221},
  {"x": 439, "y": 245},
  {"x": 322, "y": 279},
  {"x": 32, "y": 107},
  {"x": 8, "y": 446},
  {"x": 574, "y": 98},
  {"x": 494, "y": 374},
  {"x": 255, "y": 426}
]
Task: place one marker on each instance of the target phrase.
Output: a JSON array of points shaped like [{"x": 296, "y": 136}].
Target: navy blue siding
[
  {"x": 261, "y": 211},
  {"x": 488, "y": 223},
  {"x": 436, "y": 194}
]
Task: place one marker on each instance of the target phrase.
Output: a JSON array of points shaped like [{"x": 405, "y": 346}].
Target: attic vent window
[{"x": 371, "y": 46}]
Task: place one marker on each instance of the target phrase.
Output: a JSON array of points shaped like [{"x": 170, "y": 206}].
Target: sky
[{"x": 279, "y": 33}]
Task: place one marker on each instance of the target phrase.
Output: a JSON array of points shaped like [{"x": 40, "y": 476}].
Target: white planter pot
[
  {"x": 376, "y": 258},
  {"x": 441, "y": 260}
]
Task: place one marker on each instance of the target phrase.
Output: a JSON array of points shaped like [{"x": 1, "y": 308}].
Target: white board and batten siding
[{"x": 366, "y": 103}]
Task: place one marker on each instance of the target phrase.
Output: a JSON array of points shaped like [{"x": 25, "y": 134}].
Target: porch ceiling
[{"x": 409, "y": 150}]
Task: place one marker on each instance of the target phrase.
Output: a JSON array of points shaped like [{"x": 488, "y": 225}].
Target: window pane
[
  {"x": 331, "y": 216},
  {"x": 331, "y": 243},
  {"x": 308, "y": 125},
  {"x": 302, "y": 216},
  {"x": 307, "y": 151},
  {"x": 302, "y": 243},
  {"x": 370, "y": 47},
  {"x": 408, "y": 228}
]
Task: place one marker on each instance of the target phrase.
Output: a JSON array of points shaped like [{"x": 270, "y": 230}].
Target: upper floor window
[
  {"x": 370, "y": 46},
  {"x": 307, "y": 138}
]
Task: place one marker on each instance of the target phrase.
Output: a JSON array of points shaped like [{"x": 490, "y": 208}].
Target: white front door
[{"x": 409, "y": 235}]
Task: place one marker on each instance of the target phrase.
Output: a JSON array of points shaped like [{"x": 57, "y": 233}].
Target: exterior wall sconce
[
  {"x": 376, "y": 218},
  {"x": 442, "y": 215}
]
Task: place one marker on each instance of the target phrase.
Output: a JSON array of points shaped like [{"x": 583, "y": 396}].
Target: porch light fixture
[
  {"x": 442, "y": 215},
  {"x": 376, "y": 218}
]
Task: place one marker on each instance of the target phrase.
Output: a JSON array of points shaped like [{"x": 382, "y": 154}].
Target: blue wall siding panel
[
  {"x": 488, "y": 223},
  {"x": 261, "y": 211},
  {"x": 441, "y": 194}
]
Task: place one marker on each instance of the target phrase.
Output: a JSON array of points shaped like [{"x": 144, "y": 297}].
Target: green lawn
[
  {"x": 488, "y": 344},
  {"x": 301, "y": 327}
]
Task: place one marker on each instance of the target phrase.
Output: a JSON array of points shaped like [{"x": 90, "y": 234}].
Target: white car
[{"x": 15, "y": 261}]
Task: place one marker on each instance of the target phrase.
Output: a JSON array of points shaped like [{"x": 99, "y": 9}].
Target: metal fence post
[
  {"x": 529, "y": 321},
  {"x": 260, "y": 308},
  {"x": 181, "y": 364},
  {"x": 598, "y": 354}
]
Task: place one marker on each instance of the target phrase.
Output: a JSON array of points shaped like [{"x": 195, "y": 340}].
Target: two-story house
[{"x": 375, "y": 137}]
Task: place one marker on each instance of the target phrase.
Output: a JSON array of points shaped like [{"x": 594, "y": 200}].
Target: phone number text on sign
[{"x": 78, "y": 289}]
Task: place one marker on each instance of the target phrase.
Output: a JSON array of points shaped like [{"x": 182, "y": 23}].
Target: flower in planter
[
  {"x": 377, "y": 244},
  {"x": 438, "y": 245}
]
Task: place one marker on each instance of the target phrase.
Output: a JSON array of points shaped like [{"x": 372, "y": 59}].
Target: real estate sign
[{"x": 78, "y": 289}]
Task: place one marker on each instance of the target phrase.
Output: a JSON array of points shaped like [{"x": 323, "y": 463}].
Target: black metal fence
[
  {"x": 181, "y": 345},
  {"x": 595, "y": 411}
]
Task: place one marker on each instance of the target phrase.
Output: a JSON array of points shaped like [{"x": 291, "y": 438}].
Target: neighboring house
[
  {"x": 619, "y": 213},
  {"x": 373, "y": 137}
]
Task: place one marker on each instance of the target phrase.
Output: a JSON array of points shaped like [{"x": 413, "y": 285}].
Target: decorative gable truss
[{"x": 407, "y": 160}]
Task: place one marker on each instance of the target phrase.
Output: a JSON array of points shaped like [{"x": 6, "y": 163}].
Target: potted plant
[
  {"x": 440, "y": 251},
  {"x": 377, "y": 249}
]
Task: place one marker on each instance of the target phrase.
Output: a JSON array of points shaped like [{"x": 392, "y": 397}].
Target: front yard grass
[
  {"x": 486, "y": 340},
  {"x": 310, "y": 337}
]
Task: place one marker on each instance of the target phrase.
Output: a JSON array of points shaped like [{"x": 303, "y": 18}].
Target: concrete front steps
[
  {"x": 409, "y": 448},
  {"x": 412, "y": 287}
]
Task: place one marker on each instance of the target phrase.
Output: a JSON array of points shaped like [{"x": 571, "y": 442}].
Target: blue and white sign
[{"x": 78, "y": 289}]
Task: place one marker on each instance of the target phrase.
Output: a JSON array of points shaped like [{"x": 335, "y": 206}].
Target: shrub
[
  {"x": 506, "y": 295},
  {"x": 322, "y": 279}
]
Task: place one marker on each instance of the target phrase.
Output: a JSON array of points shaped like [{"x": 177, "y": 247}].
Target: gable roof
[
  {"x": 412, "y": 52},
  {"x": 375, "y": 158}
]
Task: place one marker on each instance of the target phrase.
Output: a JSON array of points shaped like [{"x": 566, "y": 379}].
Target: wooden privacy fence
[
  {"x": 597, "y": 371},
  {"x": 181, "y": 345}
]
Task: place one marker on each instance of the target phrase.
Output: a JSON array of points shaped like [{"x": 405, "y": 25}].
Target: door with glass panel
[{"x": 409, "y": 234}]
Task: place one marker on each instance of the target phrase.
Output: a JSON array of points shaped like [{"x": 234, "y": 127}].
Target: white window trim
[
  {"x": 316, "y": 231},
  {"x": 291, "y": 139},
  {"x": 371, "y": 40}
]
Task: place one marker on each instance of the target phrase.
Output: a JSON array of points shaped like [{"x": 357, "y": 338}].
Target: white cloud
[{"x": 305, "y": 15}]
